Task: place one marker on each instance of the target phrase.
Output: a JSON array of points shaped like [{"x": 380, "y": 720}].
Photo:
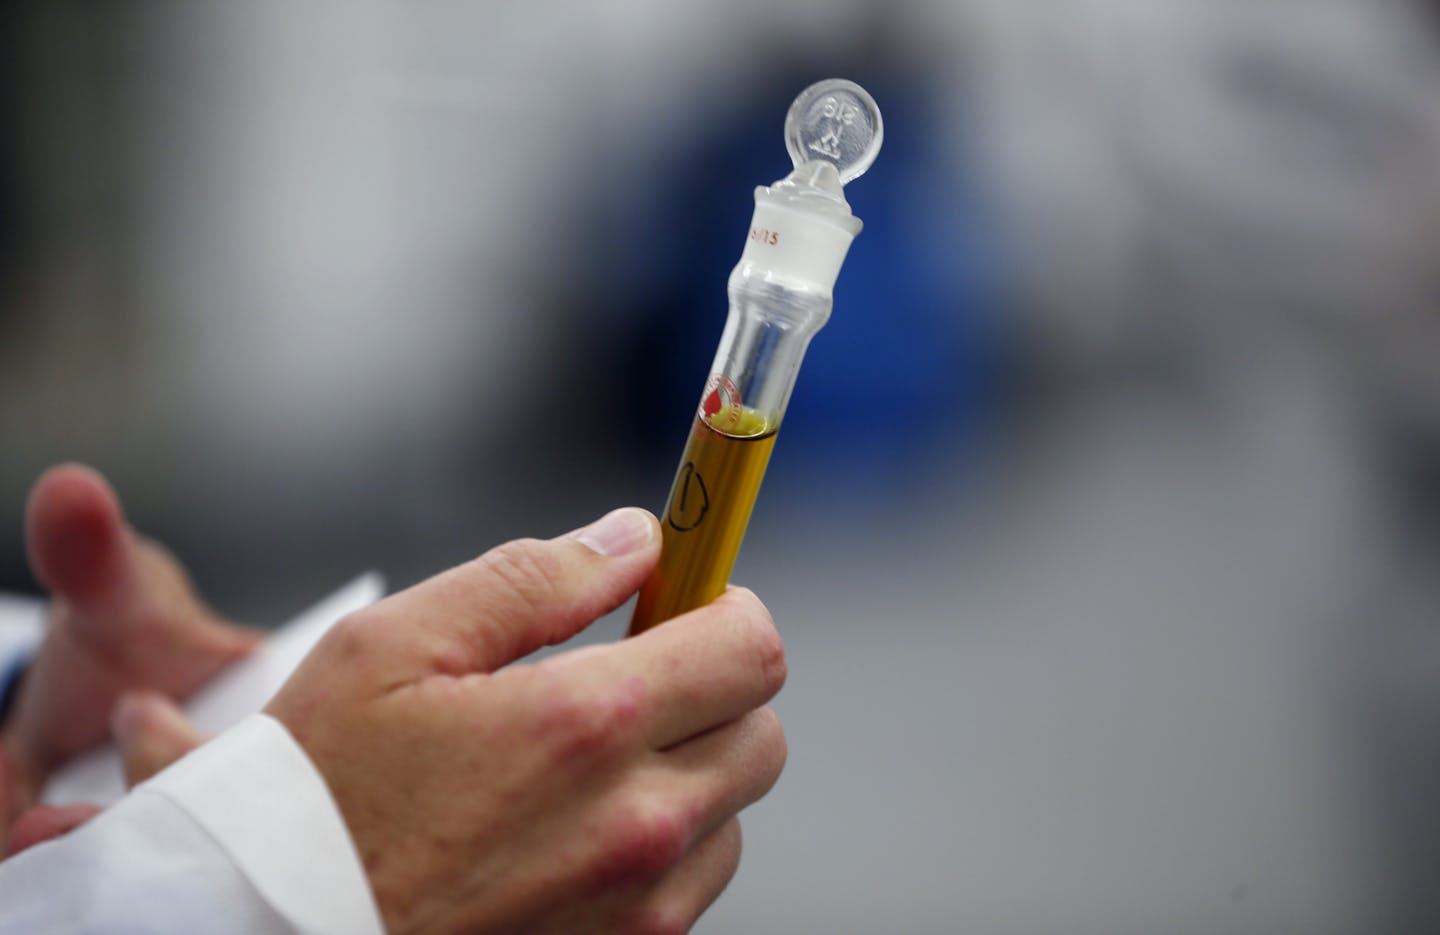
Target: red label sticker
[{"x": 720, "y": 403}]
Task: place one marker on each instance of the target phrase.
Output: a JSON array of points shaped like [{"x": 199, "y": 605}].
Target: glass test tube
[{"x": 780, "y": 296}]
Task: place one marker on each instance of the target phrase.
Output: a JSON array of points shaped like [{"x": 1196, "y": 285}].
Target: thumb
[
  {"x": 111, "y": 580},
  {"x": 79, "y": 545},
  {"x": 516, "y": 598},
  {"x": 152, "y": 733}
]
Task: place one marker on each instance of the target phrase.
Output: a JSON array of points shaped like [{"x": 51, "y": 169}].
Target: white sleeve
[
  {"x": 240, "y": 836},
  {"x": 22, "y": 621}
]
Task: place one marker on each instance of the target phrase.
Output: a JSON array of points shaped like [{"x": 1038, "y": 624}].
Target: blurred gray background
[{"x": 1104, "y": 530}]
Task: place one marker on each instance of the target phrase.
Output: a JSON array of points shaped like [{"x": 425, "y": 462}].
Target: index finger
[{"x": 704, "y": 668}]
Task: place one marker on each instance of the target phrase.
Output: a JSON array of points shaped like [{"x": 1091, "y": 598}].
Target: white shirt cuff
[{"x": 257, "y": 794}]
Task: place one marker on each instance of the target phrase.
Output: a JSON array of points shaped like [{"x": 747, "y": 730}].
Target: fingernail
[{"x": 619, "y": 532}]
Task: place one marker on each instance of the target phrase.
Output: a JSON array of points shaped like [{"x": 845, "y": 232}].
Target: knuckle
[
  {"x": 526, "y": 571},
  {"x": 767, "y": 648},
  {"x": 586, "y": 725},
  {"x": 570, "y": 721},
  {"x": 641, "y": 843},
  {"x": 625, "y": 707}
]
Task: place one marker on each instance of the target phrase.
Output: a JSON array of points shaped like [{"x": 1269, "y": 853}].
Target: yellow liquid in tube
[{"x": 706, "y": 514}]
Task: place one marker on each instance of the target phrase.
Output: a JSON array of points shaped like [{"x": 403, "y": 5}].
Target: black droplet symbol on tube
[{"x": 691, "y": 502}]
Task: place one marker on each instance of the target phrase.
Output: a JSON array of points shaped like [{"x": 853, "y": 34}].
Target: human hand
[
  {"x": 124, "y": 617},
  {"x": 151, "y": 732},
  {"x": 594, "y": 791}
]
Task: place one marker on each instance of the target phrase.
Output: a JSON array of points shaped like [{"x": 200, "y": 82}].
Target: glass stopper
[{"x": 837, "y": 121}]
